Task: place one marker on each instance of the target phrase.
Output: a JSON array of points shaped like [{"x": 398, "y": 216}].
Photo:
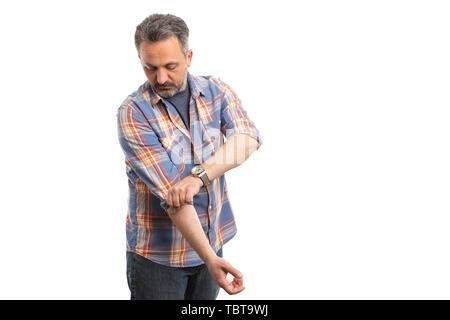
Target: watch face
[{"x": 197, "y": 170}]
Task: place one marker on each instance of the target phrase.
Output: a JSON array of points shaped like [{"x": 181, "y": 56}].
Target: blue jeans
[{"x": 148, "y": 280}]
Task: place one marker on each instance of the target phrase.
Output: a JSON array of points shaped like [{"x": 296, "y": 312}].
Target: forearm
[
  {"x": 233, "y": 153},
  {"x": 186, "y": 220}
]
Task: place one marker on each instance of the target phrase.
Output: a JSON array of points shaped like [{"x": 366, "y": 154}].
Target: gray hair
[{"x": 158, "y": 27}]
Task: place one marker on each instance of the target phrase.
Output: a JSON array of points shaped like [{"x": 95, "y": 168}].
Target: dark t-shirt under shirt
[{"x": 181, "y": 102}]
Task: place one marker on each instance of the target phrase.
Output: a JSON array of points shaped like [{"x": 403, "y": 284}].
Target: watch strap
[
  {"x": 202, "y": 174},
  {"x": 204, "y": 178}
]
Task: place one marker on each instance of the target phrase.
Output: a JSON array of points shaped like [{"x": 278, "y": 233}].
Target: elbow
[
  {"x": 254, "y": 144},
  {"x": 251, "y": 145}
]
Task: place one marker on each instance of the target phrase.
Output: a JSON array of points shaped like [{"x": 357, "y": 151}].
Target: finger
[
  {"x": 235, "y": 272},
  {"x": 189, "y": 197},
  {"x": 169, "y": 199},
  {"x": 176, "y": 200},
  {"x": 228, "y": 287},
  {"x": 238, "y": 281},
  {"x": 238, "y": 290},
  {"x": 181, "y": 197},
  {"x": 238, "y": 284},
  {"x": 232, "y": 288}
]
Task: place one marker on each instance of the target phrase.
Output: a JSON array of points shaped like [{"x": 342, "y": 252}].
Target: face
[{"x": 165, "y": 66}]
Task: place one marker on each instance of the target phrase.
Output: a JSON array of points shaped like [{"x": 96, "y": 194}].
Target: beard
[{"x": 169, "y": 89}]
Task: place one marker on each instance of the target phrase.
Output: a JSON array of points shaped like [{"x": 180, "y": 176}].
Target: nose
[{"x": 161, "y": 76}]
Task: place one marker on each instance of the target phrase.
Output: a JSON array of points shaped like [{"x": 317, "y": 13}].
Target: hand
[
  {"x": 183, "y": 191},
  {"x": 219, "y": 268}
]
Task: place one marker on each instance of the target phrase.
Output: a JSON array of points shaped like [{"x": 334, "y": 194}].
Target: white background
[{"x": 348, "y": 198}]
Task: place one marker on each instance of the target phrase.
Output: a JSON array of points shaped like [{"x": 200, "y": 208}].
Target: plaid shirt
[{"x": 160, "y": 151}]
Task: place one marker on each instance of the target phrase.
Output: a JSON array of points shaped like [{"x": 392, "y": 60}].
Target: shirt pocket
[
  {"x": 173, "y": 145},
  {"x": 211, "y": 139}
]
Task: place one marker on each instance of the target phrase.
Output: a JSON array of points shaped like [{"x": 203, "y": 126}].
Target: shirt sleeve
[
  {"x": 234, "y": 119},
  {"x": 145, "y": 153}
]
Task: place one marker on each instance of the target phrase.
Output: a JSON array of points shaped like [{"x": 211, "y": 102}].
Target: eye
[
  {"x": 150, "y": 68},
  {"x": 171, "y": 67}
]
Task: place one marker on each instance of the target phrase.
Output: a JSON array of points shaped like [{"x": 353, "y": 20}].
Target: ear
[{"x": 189, "y": 57}]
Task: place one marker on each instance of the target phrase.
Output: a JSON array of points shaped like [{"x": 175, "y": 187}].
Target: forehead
[{"x": 161, "y": 52}]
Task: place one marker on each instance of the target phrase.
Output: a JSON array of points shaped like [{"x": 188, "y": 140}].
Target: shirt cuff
[
  {"x": 165, "y": 206},
  {"x": 256, "y": 136}
]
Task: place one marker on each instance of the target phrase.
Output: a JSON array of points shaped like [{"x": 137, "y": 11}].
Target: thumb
[{"x": 235, "y": 272}]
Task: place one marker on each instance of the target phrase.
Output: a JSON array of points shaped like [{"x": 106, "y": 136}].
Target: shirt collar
[{"x": 196, "y": 90}]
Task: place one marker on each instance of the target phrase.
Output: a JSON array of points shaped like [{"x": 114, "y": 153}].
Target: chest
[{"x": 195, "y": 143}]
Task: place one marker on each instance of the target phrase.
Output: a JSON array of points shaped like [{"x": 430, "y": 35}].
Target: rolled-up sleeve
[
  {"x": 145, "y": 153},
  {"x": 234, "y": 119}
]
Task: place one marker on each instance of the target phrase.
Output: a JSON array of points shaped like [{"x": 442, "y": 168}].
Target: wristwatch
[{"x": 199, "y": 171}]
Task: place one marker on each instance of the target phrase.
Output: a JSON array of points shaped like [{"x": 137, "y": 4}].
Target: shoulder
[
  {"x": 212, "y": 86},
  {"x": 137, "y": 97}
]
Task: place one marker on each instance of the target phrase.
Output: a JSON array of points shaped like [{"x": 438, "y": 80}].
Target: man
[{"x": 172, "y": 130}]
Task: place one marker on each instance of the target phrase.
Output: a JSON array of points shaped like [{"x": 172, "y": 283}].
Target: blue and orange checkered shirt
[{"x": 160, "y": 151}]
